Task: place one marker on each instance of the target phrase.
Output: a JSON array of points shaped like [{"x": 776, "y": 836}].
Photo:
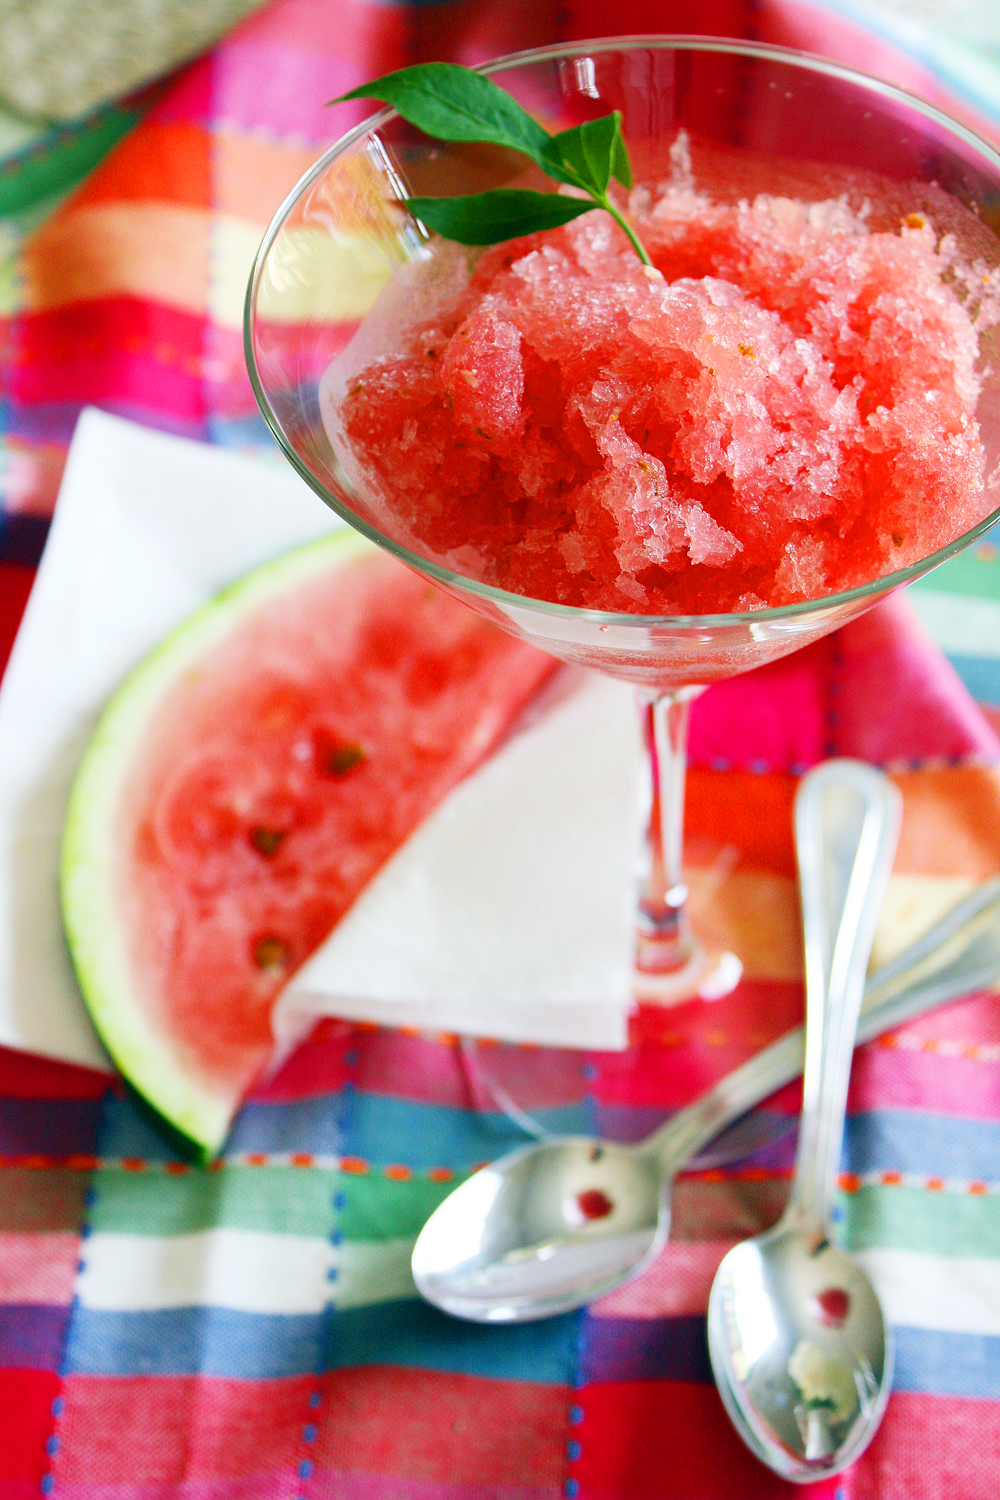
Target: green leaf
[
  {"x": 621, "y": 167},
  {"x": 453, "y": 103},
  {"x": 503, "y": 214},
  {"x": 588, "y": 150}
]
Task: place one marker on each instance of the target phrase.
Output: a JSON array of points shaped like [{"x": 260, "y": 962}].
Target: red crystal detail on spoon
[
  {"x": 594, "y": 1204},
  {"x": 832, "y": 1306}
]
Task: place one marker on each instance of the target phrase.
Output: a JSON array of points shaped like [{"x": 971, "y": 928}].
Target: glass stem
[{"x": 664, "y": 939}]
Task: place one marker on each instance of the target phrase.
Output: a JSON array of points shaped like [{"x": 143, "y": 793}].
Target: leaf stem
[{"x": 622, "y": 222}]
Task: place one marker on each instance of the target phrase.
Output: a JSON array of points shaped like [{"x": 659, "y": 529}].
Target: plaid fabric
[{"x": 172, "y": 1333}]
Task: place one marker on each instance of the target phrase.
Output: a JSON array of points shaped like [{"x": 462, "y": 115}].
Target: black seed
[
  {"x": 270, "y": 953},
  {"x": 343, "y": 758},
  {"x": 267, "y": 841}
]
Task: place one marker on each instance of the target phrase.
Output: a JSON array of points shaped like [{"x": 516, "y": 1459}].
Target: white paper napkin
[{"x": 513, "y": 897}]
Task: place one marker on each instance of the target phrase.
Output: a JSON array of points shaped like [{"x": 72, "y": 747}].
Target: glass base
[{"x": 707, "y": 974}]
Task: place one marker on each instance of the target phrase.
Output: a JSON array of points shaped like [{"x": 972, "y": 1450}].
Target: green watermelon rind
[{"x": 145, "y": 1054}]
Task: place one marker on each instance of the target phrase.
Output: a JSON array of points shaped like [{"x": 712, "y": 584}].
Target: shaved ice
[{"x": 783, "y": 407}]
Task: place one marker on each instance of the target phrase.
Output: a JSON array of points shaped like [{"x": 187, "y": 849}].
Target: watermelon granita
[{"x": 782, "y": 407}]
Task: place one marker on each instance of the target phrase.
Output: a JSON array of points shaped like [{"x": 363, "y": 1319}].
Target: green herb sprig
[{"x": 452, "y": 103}]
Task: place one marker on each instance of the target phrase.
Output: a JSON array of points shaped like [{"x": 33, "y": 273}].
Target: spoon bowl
[
  {"x": 800, "y": 1328},
  {"x": 542, "y": 1230}
]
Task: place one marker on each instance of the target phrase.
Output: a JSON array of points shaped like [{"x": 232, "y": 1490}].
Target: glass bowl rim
[{"x": 503, "y": 599}]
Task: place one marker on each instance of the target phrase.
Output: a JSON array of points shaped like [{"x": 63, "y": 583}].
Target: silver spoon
[
  {"x": 800, "y": 1349},
  {"x": 512, "y": 1242}
]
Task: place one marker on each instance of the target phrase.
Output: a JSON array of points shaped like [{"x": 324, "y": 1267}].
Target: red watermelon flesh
[{"x": 275, "y": 777}]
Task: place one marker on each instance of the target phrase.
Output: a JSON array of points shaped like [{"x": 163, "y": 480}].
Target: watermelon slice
[{"x": 245, "y": 783}]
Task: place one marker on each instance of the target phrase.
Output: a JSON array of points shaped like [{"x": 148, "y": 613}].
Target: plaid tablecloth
[{"x": 250, "y": 1330}]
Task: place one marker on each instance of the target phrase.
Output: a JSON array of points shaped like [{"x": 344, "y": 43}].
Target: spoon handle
[
  {"x": 960, "y": 954},
  {"x": 847, "y": 818}
]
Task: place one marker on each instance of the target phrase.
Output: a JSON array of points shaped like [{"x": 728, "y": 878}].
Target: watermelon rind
[{"x": 145, "y": 1054}]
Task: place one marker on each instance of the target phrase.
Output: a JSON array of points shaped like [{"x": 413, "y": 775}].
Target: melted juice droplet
[{"x": 594, "y": 1204}]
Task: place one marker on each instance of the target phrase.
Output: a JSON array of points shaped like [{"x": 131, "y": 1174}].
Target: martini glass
[{"x": 341, "y": 236}]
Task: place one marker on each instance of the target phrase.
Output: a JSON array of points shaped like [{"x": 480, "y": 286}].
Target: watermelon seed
[
  {"x": 270, "y": 953},
  {"x": 337, "y": 758},
  {"x": 267, "y": 841}
]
